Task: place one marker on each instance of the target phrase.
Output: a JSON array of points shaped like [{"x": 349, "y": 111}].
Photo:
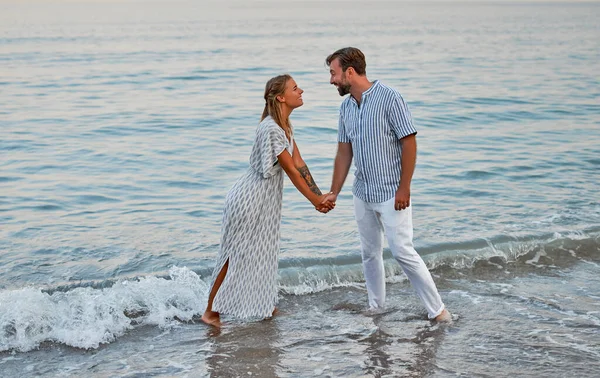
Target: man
[{"x": 375, "y": 128}]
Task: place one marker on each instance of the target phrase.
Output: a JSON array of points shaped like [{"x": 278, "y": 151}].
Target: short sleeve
[
  {"x": 400, "y": 118},
  {"x": 342, "y": 135},
  {"x": 274, "y": 142}
]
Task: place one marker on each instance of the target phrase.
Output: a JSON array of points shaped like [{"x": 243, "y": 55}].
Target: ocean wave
[{"x": 86, "y": 315}]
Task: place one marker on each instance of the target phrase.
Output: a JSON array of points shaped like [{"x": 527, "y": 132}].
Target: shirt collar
[{"x": 367, "y": 92}]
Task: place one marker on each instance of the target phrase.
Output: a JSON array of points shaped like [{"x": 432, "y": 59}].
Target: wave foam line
[{"x": 86, "y": 317}]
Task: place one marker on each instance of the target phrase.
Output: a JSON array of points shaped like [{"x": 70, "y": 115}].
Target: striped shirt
[{"x": 374, "y": 129}]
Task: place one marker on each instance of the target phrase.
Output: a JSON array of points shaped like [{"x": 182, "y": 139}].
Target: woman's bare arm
[
  {"x": 287, "y": 163},
  {"x": 303, "y": 169}
]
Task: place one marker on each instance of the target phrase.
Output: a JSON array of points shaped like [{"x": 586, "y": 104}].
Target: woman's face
[{"x": 292, "y": 96}]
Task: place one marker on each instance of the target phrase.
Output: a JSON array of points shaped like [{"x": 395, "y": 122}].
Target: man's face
[{"x": 338, "y": 77}]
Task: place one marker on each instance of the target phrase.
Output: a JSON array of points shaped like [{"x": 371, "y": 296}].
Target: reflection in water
[
  {"x": 378, "y": 363},
  {"x": 426, "y": 343},
  {"x": 413, "y": 354},
  {"x": 246, "y": 350}
]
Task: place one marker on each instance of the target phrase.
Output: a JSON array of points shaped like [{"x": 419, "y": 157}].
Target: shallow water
[{"x": 541, "y": 321}]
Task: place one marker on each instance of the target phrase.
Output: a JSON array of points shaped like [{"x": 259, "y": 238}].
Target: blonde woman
[{"x": 244, "y": 281}]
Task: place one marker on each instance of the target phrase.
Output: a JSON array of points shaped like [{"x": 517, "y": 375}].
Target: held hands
[{"x": 327, "y": 203}]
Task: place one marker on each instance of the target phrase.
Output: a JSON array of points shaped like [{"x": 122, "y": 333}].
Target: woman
[{"x": 244, "y": 282}]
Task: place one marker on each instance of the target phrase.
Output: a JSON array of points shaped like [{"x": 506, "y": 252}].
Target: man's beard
[{"x": 343, "y": 89}]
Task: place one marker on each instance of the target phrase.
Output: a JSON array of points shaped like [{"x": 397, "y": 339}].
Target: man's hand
[
  {"x": 402, "y": 200},
  {"x": 327, "y": 203},
  {"x": 326, "y": 207}
]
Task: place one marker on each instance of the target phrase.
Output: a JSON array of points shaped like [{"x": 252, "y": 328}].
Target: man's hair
[{"x": 349, "y": 57}]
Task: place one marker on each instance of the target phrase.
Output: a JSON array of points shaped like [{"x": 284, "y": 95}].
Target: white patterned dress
[{"x": 250, "y": 230}]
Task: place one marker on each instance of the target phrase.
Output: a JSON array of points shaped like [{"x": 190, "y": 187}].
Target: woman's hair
[
  {"x": 349, "y": 57},
  {"x": 276, "y": 87}
]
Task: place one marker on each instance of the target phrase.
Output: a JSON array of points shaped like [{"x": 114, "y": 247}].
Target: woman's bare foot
[
  {"x": 275, "y": 312},
  {"x": 444, "y": 317},
  {"x": 211, "y": 318}
]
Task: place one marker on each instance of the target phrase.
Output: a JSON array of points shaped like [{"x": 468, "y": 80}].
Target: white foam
[
  {"x": 536, "y": 259},
  {"x": 316, "y": 286},
  {"x": 87, "y": 317}
]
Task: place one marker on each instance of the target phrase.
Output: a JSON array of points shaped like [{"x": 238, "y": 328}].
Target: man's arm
[
  {"x": 341, "y": 167},
  {"x": 409, "y": 160}
]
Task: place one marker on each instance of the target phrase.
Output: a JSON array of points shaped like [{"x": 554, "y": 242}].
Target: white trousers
[{"x": 375, "y": 218}]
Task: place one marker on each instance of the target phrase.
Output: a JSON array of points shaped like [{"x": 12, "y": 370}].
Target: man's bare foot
[
  {"x": 211, "y": 318},
  {"x": 444, "y": 317}
]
